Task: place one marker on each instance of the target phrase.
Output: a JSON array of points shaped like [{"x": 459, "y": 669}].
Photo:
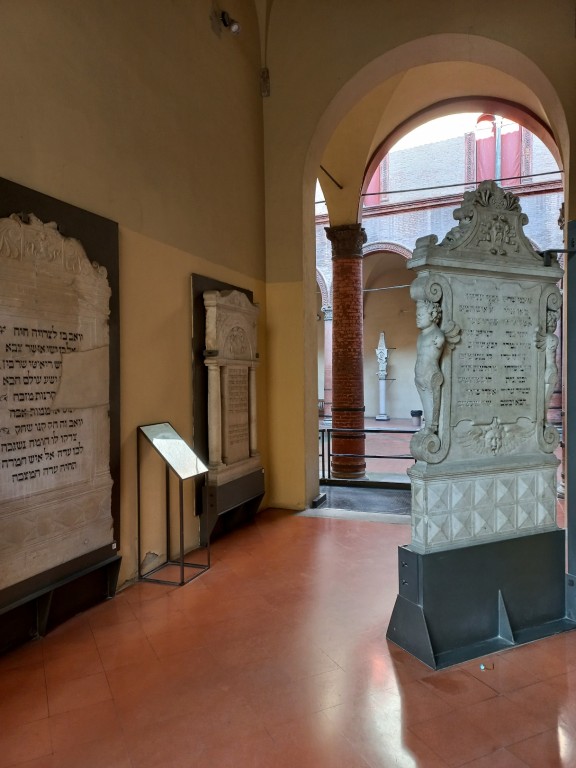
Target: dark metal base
[
  {"x": 33, "y": 607},
  {"x": 179, "y": 566},
  {"x": 229, "y": 505},
  {"x": 460, "y": 604}
]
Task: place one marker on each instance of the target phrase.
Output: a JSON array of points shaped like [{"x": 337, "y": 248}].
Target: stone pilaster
[
  {"x": 347, "y": 351},
  {"x": 214, "y": 408},
  {"x": 252, "y": 411},
  {"x": 328, "y": 317}
]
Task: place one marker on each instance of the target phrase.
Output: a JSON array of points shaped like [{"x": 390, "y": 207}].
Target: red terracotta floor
[{"x": 277, "y": 658}]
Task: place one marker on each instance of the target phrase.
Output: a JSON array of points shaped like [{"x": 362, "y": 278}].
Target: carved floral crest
[
  {"x": 489, "y": 218},
  {"x": 490, "y": 231},
  {"x": 28, "y": 239}
]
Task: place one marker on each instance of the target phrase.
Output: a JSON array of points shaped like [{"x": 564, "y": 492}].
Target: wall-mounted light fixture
[
  {"x": 222, "y": 20},
  {"x": 228, "y": 23}
]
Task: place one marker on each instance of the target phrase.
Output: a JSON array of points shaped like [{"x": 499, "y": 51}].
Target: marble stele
[
  {"x": 231, "y": 357},
  {"x": 55, "y": 482},
  {"x": 487, "y": 309}
]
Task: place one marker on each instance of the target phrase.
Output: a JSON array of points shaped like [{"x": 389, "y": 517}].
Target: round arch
[
  {"x": 520, "y": 74},
  {"x": 377, "y": 247},
  {"x": 508, "y": 109},
  {"x": 523, "y": 82},
  {"x": 324, "y": 290}
]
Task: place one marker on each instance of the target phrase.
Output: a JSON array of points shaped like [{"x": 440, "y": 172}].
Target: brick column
[{"x": 347, "y": 350}]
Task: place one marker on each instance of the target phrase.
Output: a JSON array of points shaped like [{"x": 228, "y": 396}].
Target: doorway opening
[{"x": 411, "y": 189}]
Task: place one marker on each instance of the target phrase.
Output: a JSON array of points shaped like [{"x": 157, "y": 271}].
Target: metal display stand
[{"x": 179, "y": 458}]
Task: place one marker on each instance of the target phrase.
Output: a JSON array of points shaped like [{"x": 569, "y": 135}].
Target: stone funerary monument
[
  {"x": 485, "y": 567},
  {"x": 55, "y": 482},
  {"x": 235, "y": 475}
]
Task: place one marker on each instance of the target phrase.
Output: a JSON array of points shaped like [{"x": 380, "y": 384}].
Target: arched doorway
[{"x": 373, "y": 120}]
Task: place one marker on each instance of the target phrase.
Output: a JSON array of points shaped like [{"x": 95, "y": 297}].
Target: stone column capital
[
  {"x": 347, "y": 240},
  {"x": 327, "y": 312}
]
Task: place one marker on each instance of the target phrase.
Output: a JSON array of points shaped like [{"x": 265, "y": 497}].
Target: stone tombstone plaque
[
  {"x": 487, "y": 309},
  {"x": 235, "y": 435},
  {"x": 55, "y": 483},
  {"x": 231, "y": 357}
]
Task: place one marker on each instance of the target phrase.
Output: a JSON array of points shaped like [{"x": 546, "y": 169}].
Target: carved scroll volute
[
  {"x": 547, "y": 343},
  {"x": 433, "y": 372}
]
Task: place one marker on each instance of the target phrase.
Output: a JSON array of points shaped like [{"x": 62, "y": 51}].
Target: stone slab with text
[
  {"x": 55, "y": 483},
  {"x": 231, "y": 357},
  {"x": 487, "y": 308}
]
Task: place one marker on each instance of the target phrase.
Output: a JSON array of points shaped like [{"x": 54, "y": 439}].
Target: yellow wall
[
  {"x": 156, "y": 371},
  {"x": 138, "y": 111}
]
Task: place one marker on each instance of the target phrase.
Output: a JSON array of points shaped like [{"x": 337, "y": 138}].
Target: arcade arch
[{"x": 502, "y": 79}]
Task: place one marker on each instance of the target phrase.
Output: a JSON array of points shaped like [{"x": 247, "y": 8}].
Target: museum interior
[{"x": 170, "y": 592}]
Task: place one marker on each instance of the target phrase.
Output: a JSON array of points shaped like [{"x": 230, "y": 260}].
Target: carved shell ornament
[
  {"x": 490, "y": 195},
  {"x": 494, "y": 438}
]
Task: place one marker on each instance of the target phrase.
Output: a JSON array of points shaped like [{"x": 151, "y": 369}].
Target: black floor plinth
[{"x": 459, "y": 604}]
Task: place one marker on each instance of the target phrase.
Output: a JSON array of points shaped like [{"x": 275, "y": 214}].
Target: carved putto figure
[
  {"x": 428, "y": 376},
  {"x": 429, "y": 347},
  {"x": 549, "y": 343}
]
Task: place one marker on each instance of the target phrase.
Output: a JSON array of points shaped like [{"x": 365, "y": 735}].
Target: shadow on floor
[{"x": 379, "y": 505}]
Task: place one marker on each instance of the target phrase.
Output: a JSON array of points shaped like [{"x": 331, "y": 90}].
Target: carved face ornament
[{"x": 494, "y": 437}]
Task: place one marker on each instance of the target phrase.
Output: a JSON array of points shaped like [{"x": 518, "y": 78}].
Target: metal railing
[{"x": 326, "y": 453}]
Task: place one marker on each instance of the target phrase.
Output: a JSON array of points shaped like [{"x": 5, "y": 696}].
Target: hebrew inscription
[
  {"x": 41, "y": 447},
  {"x": 236, "y": 435},
  {"x": 496, "y": 360},
  {"x": 55, "y": 483}
]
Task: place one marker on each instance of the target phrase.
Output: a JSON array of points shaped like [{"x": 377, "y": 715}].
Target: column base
[
  {"x": 382, "y": 417},
  {"x": 339, "y": 474}
]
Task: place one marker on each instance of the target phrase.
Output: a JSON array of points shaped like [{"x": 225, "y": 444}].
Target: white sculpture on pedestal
[{"x": 382, "y": 357}]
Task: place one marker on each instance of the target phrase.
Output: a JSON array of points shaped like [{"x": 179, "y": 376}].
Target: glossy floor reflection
[
  {"x": 277, "y": 658},
  {"x": 389, "y": 501}
]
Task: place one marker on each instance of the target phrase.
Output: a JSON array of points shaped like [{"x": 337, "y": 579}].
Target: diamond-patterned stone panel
[
  {"x": 464, "y": 511},
  {"x": 462, "y": 526},
  {"x": 505, "y": 518},
  {"x": 462, "y": 495},
  {"x": 418, "y": 497},
  {"x": 547, "y": 488},
  {"x": 545, "y": 515},
  {"x": 505, "y": 490},
  {"x": 526, "y": 514},
  {"x": 438, "y": 497},
  {"x": 484, "y": 492},
  {"x": 483, "y": 521},
  {"x": 526, "y": 487},
  {"x": 418, "y": 530},
  {"x": 438, "y": 530}
]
